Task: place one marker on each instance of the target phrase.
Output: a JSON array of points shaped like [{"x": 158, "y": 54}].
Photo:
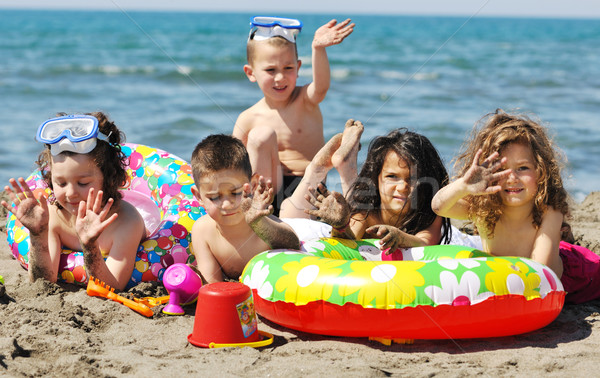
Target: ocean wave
[
  {"x": 109, "y": 70},
  {"x": 399, "y": 75}
]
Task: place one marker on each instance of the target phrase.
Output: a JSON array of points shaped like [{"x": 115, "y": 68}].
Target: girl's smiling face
[
  {"x": 394, "y": 184},
  {"x": 73, "y": 176},
  {"x": 520, "y": 187}
]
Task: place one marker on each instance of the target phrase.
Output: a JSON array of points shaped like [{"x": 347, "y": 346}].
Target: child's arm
[
  {"x": 393, "y": 238},
  {"x": 209, "y": 267},
  {"x": 327, "y": 35},
  {"x": 257, "y": 208},
  {"x": 331, "y": 208},
  {"x": 547, "y": 240},
  {"x": 480, "y": 179},
  {"x": 125, "y": 237},
  {"x": 34, "y": 215}
]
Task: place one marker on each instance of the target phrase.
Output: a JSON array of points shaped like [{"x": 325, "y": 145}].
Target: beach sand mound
[{"x": 51, "y": 329}]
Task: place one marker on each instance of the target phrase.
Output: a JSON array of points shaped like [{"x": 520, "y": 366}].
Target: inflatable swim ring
[
  {"x": 437, "y": 292},
  {"x": 159, "y": 185}
]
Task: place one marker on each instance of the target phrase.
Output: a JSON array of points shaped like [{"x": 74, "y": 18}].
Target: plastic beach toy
[
  {"x": 96, "y": 288},
  {"x": 225, "y": 317},
  {"x": 183, "y": 284}
]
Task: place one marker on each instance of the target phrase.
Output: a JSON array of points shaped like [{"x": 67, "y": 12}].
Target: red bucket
[{"x": 225, "y": 317}]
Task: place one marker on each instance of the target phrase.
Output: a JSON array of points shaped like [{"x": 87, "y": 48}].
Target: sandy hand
[
  {"x": 331, "y": 207},
  {"x": 391, "y": 238},
  {"x": 32, "y": 213},
  {"x": 482, "y": 178},
  {"x": 91, "y": 222},
  {"x": 332, "y": 33},
  {"x": 257, "y": 204}
]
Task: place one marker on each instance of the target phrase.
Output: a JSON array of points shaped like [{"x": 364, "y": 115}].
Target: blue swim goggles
[
  {"x": 76, "y": 133},
  {"x": 263, "y": 27}
]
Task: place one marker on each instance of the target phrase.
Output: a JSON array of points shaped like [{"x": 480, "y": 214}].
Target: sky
[{"x": 513, "y": 8}]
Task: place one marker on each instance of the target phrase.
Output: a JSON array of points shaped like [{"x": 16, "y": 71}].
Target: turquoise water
[{"x": 170, "y": 79}]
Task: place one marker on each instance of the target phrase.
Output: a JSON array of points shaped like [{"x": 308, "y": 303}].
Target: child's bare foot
[
  {"x": 322, "y": 162},
  {"x": 350, "y": 144},
  {"x": 344, "y": 159},
  {"x": 258, "y": 204}
]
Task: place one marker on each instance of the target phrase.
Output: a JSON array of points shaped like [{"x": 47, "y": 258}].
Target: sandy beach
[{"x": 58, "y": 330}]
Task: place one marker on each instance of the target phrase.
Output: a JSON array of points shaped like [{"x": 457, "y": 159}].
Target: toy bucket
[
  {"x": 183, "y": 284},
  {"x": 225, "y": 317}
]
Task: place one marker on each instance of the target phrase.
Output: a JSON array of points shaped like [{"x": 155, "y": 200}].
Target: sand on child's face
[{"x": 221, "y": 195}]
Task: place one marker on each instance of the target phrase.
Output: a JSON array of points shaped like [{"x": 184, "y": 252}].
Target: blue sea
[{"x": 170, "y": 79}]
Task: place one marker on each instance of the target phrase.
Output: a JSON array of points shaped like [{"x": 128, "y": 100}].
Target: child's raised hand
[
  {"x": 32, "y": 213},
  {"x": 332, "y": 33},
  {"x": 483, "y": 178},
  {"x": 257, "y": 204},
  {"x": 91, "y": 222},
  {"x": 331, "y": 207},
  {"x": 391, "y": 238}
]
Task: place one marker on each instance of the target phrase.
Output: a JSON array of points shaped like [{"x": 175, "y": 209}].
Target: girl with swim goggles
[{"x": 84, "y": 167}]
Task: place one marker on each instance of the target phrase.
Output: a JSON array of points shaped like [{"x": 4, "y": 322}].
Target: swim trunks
[
  {"x": 581, "y": 273},
  {"x": 290, "y": 183}
]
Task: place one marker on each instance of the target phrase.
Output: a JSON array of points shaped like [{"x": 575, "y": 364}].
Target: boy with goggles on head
[
  {"x": 84, "y": 167},
  {"x": 284, "y": 130}
]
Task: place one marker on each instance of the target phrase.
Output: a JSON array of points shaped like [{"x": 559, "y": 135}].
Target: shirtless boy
[
  {"x": 238, "y": 225},
  {"x": 284, "y": 130}
]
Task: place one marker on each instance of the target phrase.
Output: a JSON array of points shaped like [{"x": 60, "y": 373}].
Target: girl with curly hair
[
  {"x": 509, "y": 185},
  {"x": 84, "y": 167}
]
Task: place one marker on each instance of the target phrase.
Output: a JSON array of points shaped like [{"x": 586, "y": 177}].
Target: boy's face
[
  {"x": 274, "y": 69},
  {"x": 221, "y": 193}
]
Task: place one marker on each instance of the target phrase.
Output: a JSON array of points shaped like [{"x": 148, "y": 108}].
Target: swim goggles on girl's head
[
  {"x": 76, "y": 133},
  {"x": 268, "y": 27}
]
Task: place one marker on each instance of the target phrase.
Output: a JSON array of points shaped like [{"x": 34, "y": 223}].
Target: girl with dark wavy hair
[{"x": 391, "y": 197}]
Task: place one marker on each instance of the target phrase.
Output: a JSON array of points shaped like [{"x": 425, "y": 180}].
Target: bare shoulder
[
  {"x": 303, "y": 98},
  {"x": 247, "y": 120},
  {"x": 552, "y": 218},
  {"x": 129, "y": 220},
  {"x": 203, "y": 226}
]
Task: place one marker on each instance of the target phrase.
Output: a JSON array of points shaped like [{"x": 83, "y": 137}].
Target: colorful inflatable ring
[
  {"x": 437, "y": 292},
  {"x": 159, "y": 186}
]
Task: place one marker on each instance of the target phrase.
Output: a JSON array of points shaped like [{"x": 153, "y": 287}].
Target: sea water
[{"x": 170, "y": 79}]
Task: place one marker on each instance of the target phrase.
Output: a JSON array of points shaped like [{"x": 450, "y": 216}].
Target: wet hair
[
  {"x": 218, "y": 152},
  {"x": 276, "y": 41},
  {"x": 427, "y": 173},
  {"x": 107, "y": 156},
  {"x": 496, "y": 131}
]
